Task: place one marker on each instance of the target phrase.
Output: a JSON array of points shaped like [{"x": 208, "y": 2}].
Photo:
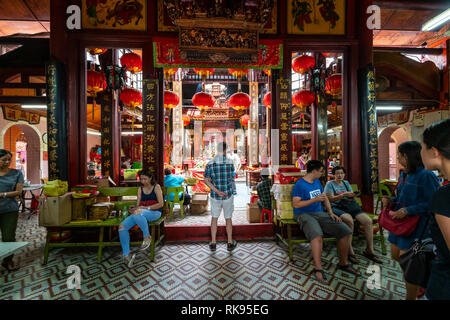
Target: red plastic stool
[{"x": 269, "y": 214}]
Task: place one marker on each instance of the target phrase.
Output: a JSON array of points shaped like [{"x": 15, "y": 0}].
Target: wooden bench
[
  {"x": 157, "y": 227},
  {"x": 289, "y": 241}
]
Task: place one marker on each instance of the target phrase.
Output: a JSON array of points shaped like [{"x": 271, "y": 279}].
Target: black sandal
[
  {"x": 348, "y": 268},
  {"x": 10, "y": 266},
  {"x": 372, "y": 257},
  {"x": 352, "y": 258},
  {"x": 324, "y": 279}
]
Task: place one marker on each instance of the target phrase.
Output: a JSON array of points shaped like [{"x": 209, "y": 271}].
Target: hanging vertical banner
[
  {"x": 283, "y": 90},
  {"x": 253, "y": 124},
  {"x": 177, "y": 126},
  {"x": 149, "y": 124},
  {"x": 56, "y": 121},
  {"x": 107, "y": 137},
  {"x": 369, "y": 141},
  {"x": 322, "y": 128}
]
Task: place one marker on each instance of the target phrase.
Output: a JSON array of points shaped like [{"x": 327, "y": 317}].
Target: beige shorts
[{"x": 227, "y": 206}]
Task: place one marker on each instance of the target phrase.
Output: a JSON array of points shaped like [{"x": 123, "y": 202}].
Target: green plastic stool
[{"x": 176, "y": 199}]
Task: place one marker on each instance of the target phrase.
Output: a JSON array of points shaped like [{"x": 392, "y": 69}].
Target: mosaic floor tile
[{"x": 254, "y": 270}]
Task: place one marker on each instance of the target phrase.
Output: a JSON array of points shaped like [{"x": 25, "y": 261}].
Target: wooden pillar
[
  {"x": 253, "y": 123},
  {"x": 68, "y": 53},
  {"x": 367, "y": 124},
  {"x": 447, "y": 48},
  {"x": 177, "y": 125},
  {"x": 283, "y": 94}
]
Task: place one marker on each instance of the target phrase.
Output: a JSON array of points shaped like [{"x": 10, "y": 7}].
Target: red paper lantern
[
  {"x": 131, "y": 97},
  {"x": 239, "y": 73},
  {"x": 132, "y": 61},
  {"x": 171, "y": 99},
  {"x": 244, "y": 120},
  {"x": 96, "y": 82},
  {"x": 95, "y": 51},
  {"x": 239, "y": 101},
  {"x": 267, "y": 71},
  {"x": 204, "y": 72},
  {"x": 268, "y": 100},
  {"x": 169, "y": 71},
  {"x": 334, "y": 84},
  {"x": 203, "y": 100},
  {"x": 303, "y": 98},
  {"x": 303, "y": 63}
]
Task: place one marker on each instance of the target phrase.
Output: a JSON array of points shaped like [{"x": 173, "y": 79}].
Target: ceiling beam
[
  {"x": 410, "y": 50},
  {"x": 23, "y": 100},
  {"x": 408, "y": 103},
  {"x": 412, "y": 4}
]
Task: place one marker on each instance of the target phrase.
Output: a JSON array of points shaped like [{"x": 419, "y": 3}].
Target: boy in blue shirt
[{"x": 307, "y": 198}]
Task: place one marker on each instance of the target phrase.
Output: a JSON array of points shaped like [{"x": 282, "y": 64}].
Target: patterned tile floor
[{"x": 255, "y": 270}]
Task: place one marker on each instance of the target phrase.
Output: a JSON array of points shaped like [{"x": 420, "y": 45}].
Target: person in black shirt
[{"x": 436, "y": 156}]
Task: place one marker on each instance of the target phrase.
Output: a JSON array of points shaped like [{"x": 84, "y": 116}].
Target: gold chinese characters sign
[
  {"x": 149, "y": 124},
  {"x": 369, "y": 142},
  {"x": 56, "y": 122},
  {"x": 284, "y": 99},
  {"x": 115, "y": 14},
  {"x": 16, "y": 115},
  {"x": 107, "y": 136}
]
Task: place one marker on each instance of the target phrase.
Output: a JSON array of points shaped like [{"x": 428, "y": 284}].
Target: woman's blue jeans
[{"x": 141, "y": 220}]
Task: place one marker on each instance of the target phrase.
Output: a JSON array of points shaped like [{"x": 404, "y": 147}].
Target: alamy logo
[
  {"x": 74, "y": 281},
  {"x": 374, "y": 21},
  {"x": 314, "y": 193},
  {"x": 374, "y": 280}
]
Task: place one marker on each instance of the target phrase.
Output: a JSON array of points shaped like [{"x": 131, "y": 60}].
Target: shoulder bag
[
  {"x": 400, "y": 227},
  {"x": 347, "y": 205},
  {"x": 416, "y": 262}
]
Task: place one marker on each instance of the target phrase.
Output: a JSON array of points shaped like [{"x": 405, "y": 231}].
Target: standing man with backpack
[{"x": 219, "y": 177}]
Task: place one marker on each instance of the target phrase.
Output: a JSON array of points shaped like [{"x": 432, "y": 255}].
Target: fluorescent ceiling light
[
  {"x": 436, "y": 21},
  {"x": 130, "y": 133},
  {"x": 299, "y": 132},
  {"x": 95, "y": 133},
  {"x": 34, "y": 106},
  {"x": 389, "y": 107}
]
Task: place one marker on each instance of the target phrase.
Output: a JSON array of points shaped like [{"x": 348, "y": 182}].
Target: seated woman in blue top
[
  {"x": 414, "y": 192},
  {"x": 436, "y": 156},
  {"x": 307, "y": 198},
  {"x": 172, "y": 180},
  {"x": 150, "y": 202}
]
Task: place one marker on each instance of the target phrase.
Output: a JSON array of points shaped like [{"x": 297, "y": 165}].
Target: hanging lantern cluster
[
  {"x": 168, "y": 72},
  {"x": 267, "y": 100},
  {"x": 303, "y": 63},
  {"x": 303, "y": 98},
  {"x": 334, "y": 84},
  {"x": 131, "y": 97},
  {"x": 244, "y": 120},
  {"x": 204, "y": 72},
  {"x": 96, "y": 82},
  {"x": 132, "y": 61},
  {"x": 171, "y": 99},
  {"x": 95, "y": 51},
  {"x": 238, "y": 73}
]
